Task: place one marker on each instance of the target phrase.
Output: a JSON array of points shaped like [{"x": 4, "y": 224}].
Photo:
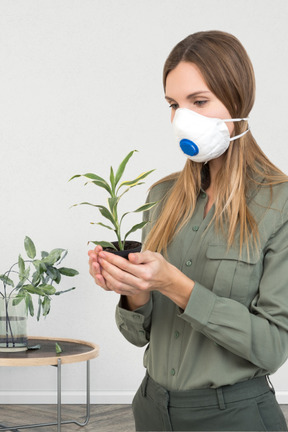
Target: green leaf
[
  {"x": 97, "y": 180},
  {"x": 113, "y": 202},
  {"x": 107, "y": 214},
  {"x": 68, "y": 271},
  {"x": 41, "y": 290},
  {"x": 6, "y": 280},
  {"x": 103, "y": 225},
  {"x": 21, "y": 265},
  {"x": 137, "y": 180},
  {"x": 32, "y": 289},
  {"x": 20, "y": 285},
  {"x": 46, "y": 304},
  {"x": 40, "y": 266},
  {"x": 53, "y": 257},
  {"x": 103, "y": 185},
  {"x": 75, "y": 176},
  {"x": 47, "y": 289},
  {"x": 39, "y": 308},
  {"x": 36, "y": 278},
  {"x": 135, "y": 228},
  {"x": 103, "y": 210},
  {"x": 128, "y": 189},
  {"x": 62, "y": 292},
  {"x": 18, "y": 299},
  {"x": 104, "y": 244},
  {"x": 112, "y": 179},
  {"x": 122, "y": 167},
  {"x": 64, "y": 254},
  {"x": 145, "y": 207},
  {"x": 84, "y": 203},
  {"x": 29, "y": 247},
  {"x": 54, "y": 274},
  {"x": 29, "y": 304},
  {"x": 58, "y": 348}
]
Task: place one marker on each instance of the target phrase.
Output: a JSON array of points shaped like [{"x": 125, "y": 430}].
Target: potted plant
[
  {"x": 27, "y": 277},
  {"x": 116, "y": 190}
]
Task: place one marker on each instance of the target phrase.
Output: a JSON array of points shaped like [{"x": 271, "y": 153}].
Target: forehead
[{"x": 186, "y": 77}]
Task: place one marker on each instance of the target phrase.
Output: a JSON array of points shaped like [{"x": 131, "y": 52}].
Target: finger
[
  {"x": 141, "y": 257},
  {"x": 95, "y": 272},
  {"x": 94, "y": 268},
  {"x": 120, "y": 280},
  {"x": 132, "y": 265},
  {"x": 117, "y": 261},
  {"x": 99, "y": 280}
]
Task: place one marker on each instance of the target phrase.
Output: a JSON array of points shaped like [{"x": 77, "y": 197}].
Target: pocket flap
[{"x": 220, "y": 252}]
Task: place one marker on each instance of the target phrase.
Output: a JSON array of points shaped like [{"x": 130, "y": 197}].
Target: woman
[{"x": 209, "y": 292}]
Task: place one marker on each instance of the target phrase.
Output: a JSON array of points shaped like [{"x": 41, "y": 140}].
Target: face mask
[{"x": 202, "y": 138}]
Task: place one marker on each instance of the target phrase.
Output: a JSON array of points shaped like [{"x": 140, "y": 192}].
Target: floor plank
[{"x": 104, "y": 418}]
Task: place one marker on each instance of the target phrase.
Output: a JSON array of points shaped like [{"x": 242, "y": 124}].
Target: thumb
[{"x": 140, "y": 258}]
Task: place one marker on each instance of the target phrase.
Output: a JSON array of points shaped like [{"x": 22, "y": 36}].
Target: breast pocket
[{"x": 235, "y": 276}]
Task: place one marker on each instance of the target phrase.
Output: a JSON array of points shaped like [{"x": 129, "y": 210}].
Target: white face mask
[{"x": 202, "y": 138}]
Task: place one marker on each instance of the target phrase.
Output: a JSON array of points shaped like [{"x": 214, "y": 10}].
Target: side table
[{"x": 73, "y": 351}]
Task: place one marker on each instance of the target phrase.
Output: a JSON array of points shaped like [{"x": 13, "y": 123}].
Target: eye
[
  {"x": 174, "y": 106},
  {"x": 200, "y": 103}
]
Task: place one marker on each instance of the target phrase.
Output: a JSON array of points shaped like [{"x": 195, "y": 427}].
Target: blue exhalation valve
[{"x": 189, "y": 147}]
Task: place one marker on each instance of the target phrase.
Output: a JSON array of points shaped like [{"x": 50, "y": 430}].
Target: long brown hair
[{"x": 228, "y": 72}]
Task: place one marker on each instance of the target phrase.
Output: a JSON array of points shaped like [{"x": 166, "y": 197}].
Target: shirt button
[
  {"x": 195, "y": 228},
  {"x": 177, "y": 334},
  {"x": 188, "y": 263},
  {"x": 203, "y": 195},
  {"x": 173, "y": 372}
]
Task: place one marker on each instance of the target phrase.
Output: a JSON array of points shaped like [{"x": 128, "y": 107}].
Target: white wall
[{"x": 80, "y": 86}]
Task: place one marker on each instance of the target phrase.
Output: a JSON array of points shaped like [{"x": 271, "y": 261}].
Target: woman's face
[{"x": 186, "y": 88}]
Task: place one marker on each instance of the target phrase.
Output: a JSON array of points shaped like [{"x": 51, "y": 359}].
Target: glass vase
[{"x": 13, "y": 325}]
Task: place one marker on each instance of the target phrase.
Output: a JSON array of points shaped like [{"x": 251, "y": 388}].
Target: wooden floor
[{"x": 104, "y": 418}]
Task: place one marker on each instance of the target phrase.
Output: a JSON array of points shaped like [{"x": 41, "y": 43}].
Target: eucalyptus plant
[
  {"x": 35, "y": 276},
  {"x": 116, "y": 190}
]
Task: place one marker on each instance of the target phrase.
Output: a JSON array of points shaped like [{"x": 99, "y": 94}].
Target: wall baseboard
[
  {"x": 97, "y": 397},
  {"x": 77, "y": 397}
]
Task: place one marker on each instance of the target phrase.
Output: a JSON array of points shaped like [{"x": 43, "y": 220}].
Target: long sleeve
[
  {"x": 258, "y": 333},
  {"x": 135, "y": 325}
]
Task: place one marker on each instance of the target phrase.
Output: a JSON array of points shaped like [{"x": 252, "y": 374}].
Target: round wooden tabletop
[{"x": 73, "y": 351}]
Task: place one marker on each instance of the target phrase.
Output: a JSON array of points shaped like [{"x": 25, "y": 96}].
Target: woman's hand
[
  {"x": 142, "y": 273},
  {"x": 95, "y": 268}
]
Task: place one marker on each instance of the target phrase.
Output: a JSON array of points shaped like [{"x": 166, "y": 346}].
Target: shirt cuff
[
  {"x": 141, "y": 316},
  {"x": 199, "y": 307}
]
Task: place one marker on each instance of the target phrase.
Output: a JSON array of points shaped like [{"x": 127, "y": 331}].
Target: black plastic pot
[{"x": 130, "y": 247}]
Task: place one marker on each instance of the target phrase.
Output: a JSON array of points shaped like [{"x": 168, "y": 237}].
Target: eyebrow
[{"x": 190, "y": 96}]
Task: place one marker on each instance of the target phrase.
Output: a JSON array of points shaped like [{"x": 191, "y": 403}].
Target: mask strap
[
  {"x": 239, "y": 136},
  {"x": 238, "y": 119}
]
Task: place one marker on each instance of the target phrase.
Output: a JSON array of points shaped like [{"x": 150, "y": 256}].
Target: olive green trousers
[{"x": 246, "y": 406}]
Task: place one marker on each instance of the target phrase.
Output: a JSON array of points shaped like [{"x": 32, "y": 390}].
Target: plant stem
[{"x": 8, "y": 324}]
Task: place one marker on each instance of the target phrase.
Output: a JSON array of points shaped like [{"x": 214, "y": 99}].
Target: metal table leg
[
  {"x": 59, "y": 395},
  {"x": 59, "y": 406}
]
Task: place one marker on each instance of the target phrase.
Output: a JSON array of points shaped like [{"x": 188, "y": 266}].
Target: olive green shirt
[{"x": 235, "y": 325}]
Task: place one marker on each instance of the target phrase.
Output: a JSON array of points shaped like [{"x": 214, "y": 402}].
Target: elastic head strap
[
  {"x": 240, "y": 135},
  {"x": 237, "y": 119}
]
